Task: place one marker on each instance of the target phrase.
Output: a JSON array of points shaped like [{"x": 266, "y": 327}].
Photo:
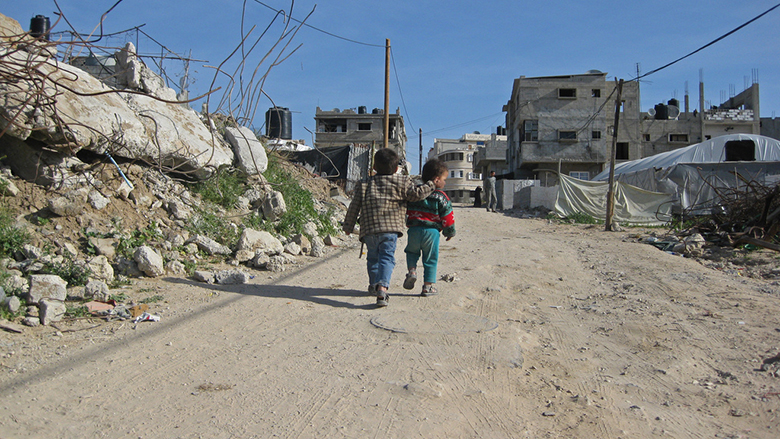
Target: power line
[
  {"x": 318, "y": 29},
  {"x": 463, "y": 124},
  {"x": 708, "y": 44},
  {"x": 403, "y": 103}
]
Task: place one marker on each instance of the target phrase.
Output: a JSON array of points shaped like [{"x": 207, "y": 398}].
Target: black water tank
[
  {"x": 39, "y": 27},
  {"x": 661, "y": 112},
  {"x": 361, "y": 110},
  {"x": 278, "y": 123},
  {"x": 674, "y": 102}
]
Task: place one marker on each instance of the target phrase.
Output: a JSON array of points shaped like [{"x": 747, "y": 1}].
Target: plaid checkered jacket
[{"x": 381, "y": 204}]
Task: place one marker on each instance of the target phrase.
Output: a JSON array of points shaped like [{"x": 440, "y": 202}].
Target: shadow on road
[{"x": 322, "y": 296}]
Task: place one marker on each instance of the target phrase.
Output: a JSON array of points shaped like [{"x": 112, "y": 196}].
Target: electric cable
[
  {"x": 318, "y": 29},
  {"x": 708, "y": 44}
]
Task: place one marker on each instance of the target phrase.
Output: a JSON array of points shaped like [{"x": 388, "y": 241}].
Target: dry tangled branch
[{"x": 32, "y": 80}]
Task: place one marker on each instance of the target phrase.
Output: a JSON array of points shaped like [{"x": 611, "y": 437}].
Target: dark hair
[
  {"x": 432, "y": 169},
  {"x": 386, "y": 161}
]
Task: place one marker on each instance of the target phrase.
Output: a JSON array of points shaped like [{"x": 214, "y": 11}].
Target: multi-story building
[
  {"x": 560, "y": 123},
  {"x": 459, "y": 155},
  {"x": 565, "y": 124},
  {"x": 492, "y": 155},
  {"x": 350, "y": 127}
]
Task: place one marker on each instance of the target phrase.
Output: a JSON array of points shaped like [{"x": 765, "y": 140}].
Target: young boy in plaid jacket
[{"x": 381, "y": 204}]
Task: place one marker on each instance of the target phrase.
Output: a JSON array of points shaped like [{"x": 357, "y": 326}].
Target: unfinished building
[{"x": 566, "y": 123}]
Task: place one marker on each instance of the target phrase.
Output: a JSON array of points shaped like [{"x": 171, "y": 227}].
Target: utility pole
[
  {"x": 611, "y": 191},
  {"x": 420, "y": 171},
  {"x": 387, "y": 93}
]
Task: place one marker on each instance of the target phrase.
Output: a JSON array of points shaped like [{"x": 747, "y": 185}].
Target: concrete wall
[
  {"x": 530, "y": 197},
  {"x": 770, "y": 127}
]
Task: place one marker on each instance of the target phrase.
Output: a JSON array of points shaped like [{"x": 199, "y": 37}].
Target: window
[
  {"x": 531, "y": 130},
  {"x": 595, "y": 135},
  {"x": 580, "y": 175},
  {"x": 567, "y": 136},
  {"x": 622, "y": 151},
  {"x": 596, "y": 93},
  {"x": 474, "y": 176},
  {"x": 740, "y": 151},
  {"x": 470, "y": 158},
  {"x": 452, "y": 157},
  {"x": 460, "y": 174},
  {"x": 333, "y": 126},
  {"x": 646, "y": 137},
  {"x": 567, "y": 93},
  {"x": 452, "y": 174},
  {"x": 678, "y": 138},
  {"x": 364, "y": 126}
]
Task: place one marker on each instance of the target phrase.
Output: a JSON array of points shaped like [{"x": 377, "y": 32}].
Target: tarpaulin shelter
[
  {"x": 350, "y": 162},
  {"x": 696, "y": 175},
  {"x": 632, "y": 205}
]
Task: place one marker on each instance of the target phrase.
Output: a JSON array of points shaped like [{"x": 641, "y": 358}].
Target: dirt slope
[{"x": 547, "y": 331}]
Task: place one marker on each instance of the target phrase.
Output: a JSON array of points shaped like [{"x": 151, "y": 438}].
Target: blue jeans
[
  {"x": 380, "y": 259},
  {"x": 425, "y": 241}
]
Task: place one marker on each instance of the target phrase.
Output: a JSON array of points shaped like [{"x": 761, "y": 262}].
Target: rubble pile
[{"x": 102, "y": 180}]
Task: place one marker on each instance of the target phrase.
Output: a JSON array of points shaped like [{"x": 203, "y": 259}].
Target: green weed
[
  {"x": 139, "y": 237},
  {"x": 12, "y": 238},
  {"x": 224, "y": 187},
  {"x": 71, "y": 272}
]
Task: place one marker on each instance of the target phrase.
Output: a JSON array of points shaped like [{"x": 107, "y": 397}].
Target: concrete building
[
  {"x": 350, "y": 127},
  {"x": 492, "y": 155},
  {"x": 565, "y": 124},
  {"x": 560, "y": 123},
  {"x": 458, "y": 155}
]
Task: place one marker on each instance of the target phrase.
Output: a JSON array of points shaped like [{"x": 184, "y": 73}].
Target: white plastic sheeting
[
  {"x": 698, "y": 175},
  {"x": 710, "y": 151},
  {"x": 632, "y": 204}
]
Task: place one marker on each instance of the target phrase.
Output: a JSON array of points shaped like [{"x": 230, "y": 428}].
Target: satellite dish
[
  {"x": 651, "y": 112},
  {"x": 674, "y": 112}
]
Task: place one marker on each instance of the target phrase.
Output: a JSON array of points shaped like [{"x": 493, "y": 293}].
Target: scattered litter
[
  {"x": 146, "y": 317},
  {"x": 138, "y": 310},
  {"x": 95, "y": 306},
  {"x": 548, "y": 413},
  {"x": 449, "y": 277},
  {"x": 556, "y": 306}
]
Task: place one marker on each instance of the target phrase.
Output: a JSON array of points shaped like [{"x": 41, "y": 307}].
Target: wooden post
[
  {"x": 611, "y": 190},
  {"x": 387, "y": 94},
  {"x": 421, "y": 163}
]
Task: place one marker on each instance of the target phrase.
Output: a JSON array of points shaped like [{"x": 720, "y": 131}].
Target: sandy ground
[{"x": 548, "y": 330}]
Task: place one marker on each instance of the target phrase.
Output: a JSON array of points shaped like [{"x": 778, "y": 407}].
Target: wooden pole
[
  {"x": 421, "y": 163},
  {"x": 611, "y": 190},
  {"x": 387, "y": 94}
]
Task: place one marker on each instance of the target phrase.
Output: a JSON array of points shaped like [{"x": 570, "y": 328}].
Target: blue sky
[{"x": 455, "y": 60}]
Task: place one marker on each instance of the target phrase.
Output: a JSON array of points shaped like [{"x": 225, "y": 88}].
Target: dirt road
[{"x": 548, "y": 330}]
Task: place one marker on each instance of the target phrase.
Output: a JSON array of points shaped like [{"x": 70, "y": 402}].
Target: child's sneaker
[
  {"x": 382, "y": 298},
  {"x": 411, "y": 278},
  {"x": 429, "y": 290}
]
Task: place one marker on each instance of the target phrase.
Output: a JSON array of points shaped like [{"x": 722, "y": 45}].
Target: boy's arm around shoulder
[{"x": 417, "y": 193}]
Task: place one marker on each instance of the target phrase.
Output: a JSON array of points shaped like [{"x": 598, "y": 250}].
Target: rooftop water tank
[
  {"x": 39, "y": 27},
  {"x": 278, "y": 123},
  {"x": 661, "y": 112}
]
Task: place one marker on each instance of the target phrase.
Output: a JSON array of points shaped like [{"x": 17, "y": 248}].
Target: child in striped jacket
[{"x": 426, "y": 219}]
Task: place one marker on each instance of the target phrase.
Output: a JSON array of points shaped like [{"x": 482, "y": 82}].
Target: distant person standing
[
  {"x": 490, "y": 192},
  {"x": 478, "y": 197}
]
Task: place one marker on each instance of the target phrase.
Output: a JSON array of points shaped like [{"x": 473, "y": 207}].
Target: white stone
[
  {"x": 149, "y": 261},
  {"x": 46, "y": 286},
  {"x": 250, "y": 153}
]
